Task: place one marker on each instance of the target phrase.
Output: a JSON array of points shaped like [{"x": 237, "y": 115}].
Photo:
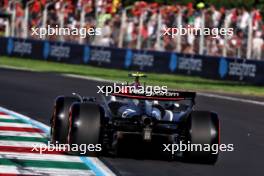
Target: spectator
[
  {"x": 108, "y": 17},
  {"x": 105, "y": 39},
  {"x": 257, "y": 45}
]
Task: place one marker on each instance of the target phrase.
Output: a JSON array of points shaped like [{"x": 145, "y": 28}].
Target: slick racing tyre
[
  {"x": 60, "y": 119},
  {"x": 202, "y": 128},
  {"x": 85, "y": 128}
]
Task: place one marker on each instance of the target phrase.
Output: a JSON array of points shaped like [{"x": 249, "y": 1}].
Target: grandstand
[{"x": 140, "y": 25}]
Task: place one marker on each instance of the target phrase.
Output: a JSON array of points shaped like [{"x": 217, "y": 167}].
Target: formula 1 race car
[{"x": 123, "y": 117}]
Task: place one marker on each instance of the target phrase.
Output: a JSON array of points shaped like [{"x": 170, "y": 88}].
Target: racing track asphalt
[{"x": 32, "y": 94}]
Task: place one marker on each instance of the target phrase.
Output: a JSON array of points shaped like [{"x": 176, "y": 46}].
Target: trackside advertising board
[{"x": 248, "y": 71}]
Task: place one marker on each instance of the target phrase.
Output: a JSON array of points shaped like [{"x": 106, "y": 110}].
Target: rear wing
[
  {"x": 184, "y": 94},
  {"x": 169, "y": 96}
]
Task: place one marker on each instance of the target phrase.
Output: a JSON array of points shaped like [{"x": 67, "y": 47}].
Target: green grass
[{"x": 172, "y": 81}]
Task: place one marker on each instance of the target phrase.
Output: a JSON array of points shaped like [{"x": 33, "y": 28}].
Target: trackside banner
[{"x": 247, "y": 71}]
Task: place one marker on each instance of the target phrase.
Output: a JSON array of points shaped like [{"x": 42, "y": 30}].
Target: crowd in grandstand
[{"x": 109, "y": 15}]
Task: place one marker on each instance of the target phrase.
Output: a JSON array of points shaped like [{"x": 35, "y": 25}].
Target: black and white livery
[{"x": 121, "y": 118}]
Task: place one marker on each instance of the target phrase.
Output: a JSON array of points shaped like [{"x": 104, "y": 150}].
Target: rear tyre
[
  {"x": 202, "y": 128},
  {"x": 60, "y": 118},
  {"x": 85, "y": 128}
]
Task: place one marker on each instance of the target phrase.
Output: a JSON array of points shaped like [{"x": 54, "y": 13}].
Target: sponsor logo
[
  {"x": 56, "y": 51},
  {"x": 18, "y": 47},
  {"x": 139, "y": 59},
  {"x": 59, "y": 51},
  {"x": 22, "y": 47},
  {"x": 242, "y": 70},
  {"x": 143, "y": 60},
  {"x": 100, "y": 56},
  {"x": 190, "y": 64},
  {"x": 236, "y": 69}
]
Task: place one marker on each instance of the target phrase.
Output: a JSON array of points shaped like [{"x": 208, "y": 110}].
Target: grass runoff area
[{"x": 172, "y": 81}]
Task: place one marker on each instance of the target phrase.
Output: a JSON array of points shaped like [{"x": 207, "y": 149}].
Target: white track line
[
  {"x": 99, "y": 163},
  {"x": 7, "y": 117},
  {"x": 21, "y": 125},
  {"x": 23, "y": 134},
  {"x": 44, "y": 171},
  {"x": 42, "y": 157},
  {"x": 261, "y": 103},
  {"x": 21, "y": 144},
  {"x": 29, "y": 120},
  {"x": 88, "y": 78}
]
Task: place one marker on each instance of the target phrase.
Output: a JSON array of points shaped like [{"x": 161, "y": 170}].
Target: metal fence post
[
  {"x": 13, "y": 22},
  {"x": 7, "y": 28},
  {"x": 82, "y": 22},
  {"x": 139, "y": 31},
  {"x": 249, "y": 41},
  {"x": 201, "y": 42},
  {"x": 26, "y": 19},
  {"x": 122, "y": 29},
  {"x": 224, "y": 51},
  {"x": 158, "y": 39},
  {"x": 179, "y": 25}
]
